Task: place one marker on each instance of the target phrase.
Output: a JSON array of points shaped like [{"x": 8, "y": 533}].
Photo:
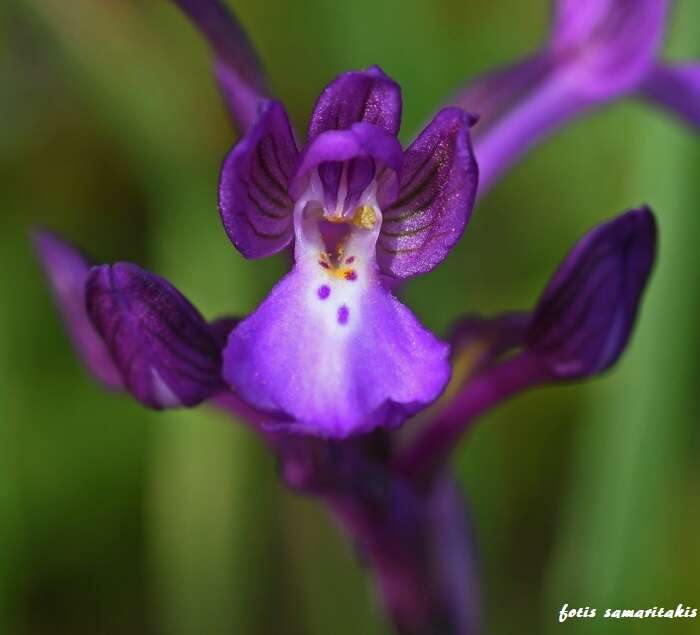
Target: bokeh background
[{"x": 117, "y": 520}]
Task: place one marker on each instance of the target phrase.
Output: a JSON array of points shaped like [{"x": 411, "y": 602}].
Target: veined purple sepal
[
  {"x": 607, "y": 47},
  {"x": 255, "y": 207},
  {"x": 676, "y": 87},
  {"x": 67, "y": 270},
  {"x": 237, "y": 67},
  {"x": 337, "y": 357},
  {"x": 435, "y": 199},
  {"x": 586, "y": 314},
  {"x": 167, "y": 354},
  {"x": 369, "y": 96}
]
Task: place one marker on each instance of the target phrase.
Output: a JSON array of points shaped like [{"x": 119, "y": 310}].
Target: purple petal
[
  {"x": 676, "y": 88},
  {"x": 166, "y": 352},
  {"x": 585, "y": 316},
  {"x": 237, "y": 67},
  {"x": 67, "y": 270},
  {"x": 607, "y": 46},
  {"x": 435, "y": 200},
  {"x": 369, "y": 96},
  {"x": 360, "y": 143},
  {"x": 253, "y": 201},
  {"x": 337, "y": 364}
]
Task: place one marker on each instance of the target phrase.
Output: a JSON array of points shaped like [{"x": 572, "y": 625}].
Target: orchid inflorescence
[{"x": 331, "y": 366}]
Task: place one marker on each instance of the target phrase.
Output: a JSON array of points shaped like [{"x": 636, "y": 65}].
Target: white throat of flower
[{"x": 335, "y": 251}]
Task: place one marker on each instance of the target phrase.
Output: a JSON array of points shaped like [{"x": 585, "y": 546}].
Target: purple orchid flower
[
  {"x": 331, "y": 348},
  {"x": 331, "y": 354},
  {"x": 598, "y": 51}
]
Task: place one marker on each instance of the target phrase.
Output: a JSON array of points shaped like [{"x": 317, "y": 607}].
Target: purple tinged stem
[
  {"x": 398, "y": 568},
  {"x": 455, "y": 556},
  {"x": 421, "y": 551},
  {"x": 428, "y": 452}
]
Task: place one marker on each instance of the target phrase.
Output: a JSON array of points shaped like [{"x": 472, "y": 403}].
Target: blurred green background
[{"x": 117, "y": 520}]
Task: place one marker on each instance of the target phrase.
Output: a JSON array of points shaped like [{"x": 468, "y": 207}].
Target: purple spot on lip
[
  {"x": 350, "y": 260},
  {"x": 351, "y": 275},
  {"x": 324, "y": 291},
  {"x": 343, "y": 315}
]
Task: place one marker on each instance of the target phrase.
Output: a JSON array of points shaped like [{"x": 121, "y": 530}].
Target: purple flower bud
[
  {"x": 586, "y": 314},
  {"x": 579, "y": 328},
  {"x": 167, "y": 354}
]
